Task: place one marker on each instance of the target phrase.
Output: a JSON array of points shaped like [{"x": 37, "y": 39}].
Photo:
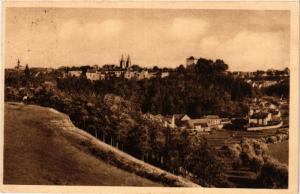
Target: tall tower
[
  {"x": 128, "y": 62},
  {"x": 190, "y": 61},
  {"x": 122, "y": 62},
  {"x": 18, "y": 67},
  {"x": 18, "y": 63}
]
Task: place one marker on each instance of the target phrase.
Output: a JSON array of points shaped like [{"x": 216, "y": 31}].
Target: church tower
[
  {"x": 122, "y": 63},
  {"x": 128, "y": 62}
]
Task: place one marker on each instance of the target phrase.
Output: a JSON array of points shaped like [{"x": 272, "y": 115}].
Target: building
[
  {"x": 128, "y": 71},
  {"x": 122, "y": 63},
  {"x": 268, "y": 83},
  {"x": 225, "y": 121},
  {"x": 200, "y": 125},
  {"x": 191, "y": 61},
  {"x": 260, "y": 119},
  {"x": 93, "y": 75},
  {"x": 212, "y": 120},
  {"x": 275, "y": 113},
  {"x": 164, "y": 74},
  {"x": 203, "y": 124},
  {"x": 129, "y": 74},
  {"x": 177, "y": 120},
  {"x": 128, "y": 62},
  {"x": 19, "y": 67},
  {"x": 74, "y": 73},
  {"x": 254, "y": 109},
  {"x": 143, "y": 75},
  {"x": 125, "y": 64}
]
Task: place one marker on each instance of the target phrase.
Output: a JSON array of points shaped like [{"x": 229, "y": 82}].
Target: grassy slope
[
  {"x": 280, "y": 151},
  {"x": 41, "y": 146}
]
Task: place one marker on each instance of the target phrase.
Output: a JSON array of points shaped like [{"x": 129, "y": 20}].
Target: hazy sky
[{"x": 53, "y": 37}]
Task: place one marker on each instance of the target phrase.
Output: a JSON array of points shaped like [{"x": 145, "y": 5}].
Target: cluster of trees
[
  {"x": 117, "y": 122},
  {"x": 282, "y": 89},
  {"x": 271, "y": 72}
]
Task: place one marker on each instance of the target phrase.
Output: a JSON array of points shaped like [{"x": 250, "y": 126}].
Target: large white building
[{"x": 260, "y": 119}]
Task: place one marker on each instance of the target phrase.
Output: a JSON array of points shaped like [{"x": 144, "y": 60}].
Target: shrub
[{"x": 273, "y": 174}]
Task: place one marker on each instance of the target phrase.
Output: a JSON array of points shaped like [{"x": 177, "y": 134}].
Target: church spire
[
  {"x": 122, "y": 62},
  {"x": 128, "y": 62}
]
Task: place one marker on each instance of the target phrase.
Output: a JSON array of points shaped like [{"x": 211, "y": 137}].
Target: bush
[
  {"x": 273, "y": 174},
  {"x": 252, "y": 153},
  {"x": 206, "y": 165}
]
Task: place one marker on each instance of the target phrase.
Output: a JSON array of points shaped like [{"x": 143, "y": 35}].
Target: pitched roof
[
  {"x": 198, "y": 121},
  {"x": 260, "y": 115},
  {"x": 178, "y": 116},
  {"x": 211, "y": 117},
  {"x": 191, "y": 57}
]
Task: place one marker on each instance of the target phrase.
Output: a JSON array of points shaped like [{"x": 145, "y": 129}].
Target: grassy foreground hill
[{"x": 42, "y": 146}]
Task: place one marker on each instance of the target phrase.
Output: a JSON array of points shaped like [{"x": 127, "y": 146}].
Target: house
[
  {"x": 267, "y": 83},
  {"x": 202, "y": 127},
  {"x": 275, "y": 113},
  {"x": 213, "y": 121},
  {"x": 225, "y": 121},
  {"x": 164, "y": 74},
  {"x": 102, "y": 76},
  {"x": 260, "y": 119},
  {"x": 142, "y": 75},
  {"x": 129, "y": 74},
  {"x": 92, "y": 75},
  {"x": 74, "y": 73},
  {"x": 203, "y": 124},
  {"x": 254, "y": 109},
  {"x": 178, "y": 120}
]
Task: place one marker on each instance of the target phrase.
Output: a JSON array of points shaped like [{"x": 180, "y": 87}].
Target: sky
[{"x": 246, "y": 40}]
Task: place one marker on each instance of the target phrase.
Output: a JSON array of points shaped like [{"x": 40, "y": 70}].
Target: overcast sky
[{"x": 245, "y": 40}]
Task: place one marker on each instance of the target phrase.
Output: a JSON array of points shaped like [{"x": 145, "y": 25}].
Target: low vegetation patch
[{"x": 254, "y": 154}]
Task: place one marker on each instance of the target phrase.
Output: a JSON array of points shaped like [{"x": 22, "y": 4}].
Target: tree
[
  {"x": 156, "y": 69},
  {"x": 180, "y": 69},
  {"x": 205, "y": 165},
  {"x": 220, "y": 66}
]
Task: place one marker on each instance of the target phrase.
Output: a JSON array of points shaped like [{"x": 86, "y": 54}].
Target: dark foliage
[
  {"x": 199, "y": 90},
  {"x": 281, "y": 89}
]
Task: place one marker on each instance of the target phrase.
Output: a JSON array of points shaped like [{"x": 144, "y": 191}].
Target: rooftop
[
  {"x": 260, "y": 115},
  {"x": 191, "y": 57}
]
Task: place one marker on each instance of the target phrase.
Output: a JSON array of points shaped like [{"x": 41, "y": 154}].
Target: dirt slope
[{"x": 41, "y": 146}]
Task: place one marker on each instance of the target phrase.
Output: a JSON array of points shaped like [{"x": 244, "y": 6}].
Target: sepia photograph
[{"x": 146, "y": 96}]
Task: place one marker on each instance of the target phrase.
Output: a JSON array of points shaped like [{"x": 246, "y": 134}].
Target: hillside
[{"x": 41, "y": 146}]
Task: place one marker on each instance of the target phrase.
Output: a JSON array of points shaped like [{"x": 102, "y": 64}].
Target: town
[{"x": 262, "y": 114}]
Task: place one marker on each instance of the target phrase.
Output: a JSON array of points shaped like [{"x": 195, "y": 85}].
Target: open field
[
  {"x": 226, "y": 137},
  {"x": 280, "y": 151},
  {"x": 42, "y": 147}
]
